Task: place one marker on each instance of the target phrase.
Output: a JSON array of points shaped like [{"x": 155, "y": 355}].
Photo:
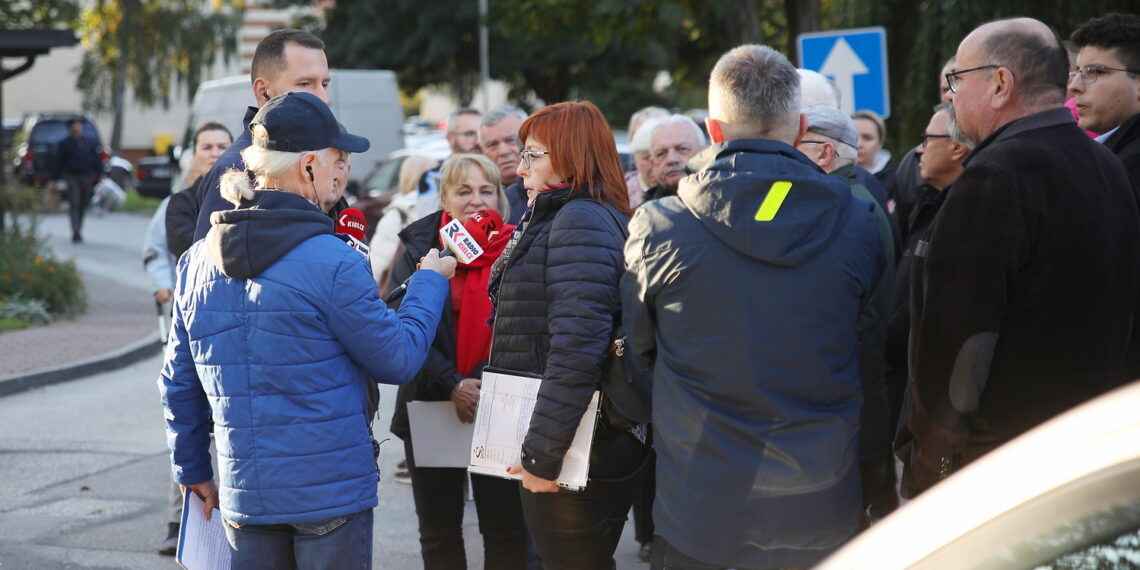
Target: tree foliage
[
  {"x": 30, "y": 14},
  {"x": 606, "y": 50},
  {"x": 154, "y": 46},
  {"x": 922, "y": 35},
  {"x": 611, "y": 50}
]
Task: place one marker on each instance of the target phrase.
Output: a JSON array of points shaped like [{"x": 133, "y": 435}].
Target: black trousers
[
  {"x": 581, "y": 530},
  {"x": 80, "y": 188},
  {"x": 643, "y": 529},
  {"x": 439, "y": 497}
]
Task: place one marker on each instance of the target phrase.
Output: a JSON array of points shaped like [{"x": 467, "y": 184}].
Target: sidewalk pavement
[{"x": 119, "y": 327}]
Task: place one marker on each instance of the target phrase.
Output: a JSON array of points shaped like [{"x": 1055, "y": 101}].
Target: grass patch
[
  {"x": 13, "y": 324},
  {"x": 136, "y": 203}
]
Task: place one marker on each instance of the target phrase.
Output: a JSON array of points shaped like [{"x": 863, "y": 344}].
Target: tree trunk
[
  {"x": 119, "y": 83},
  {"x": 741, "y": 25},
  {"x": 803, "y": 17}
]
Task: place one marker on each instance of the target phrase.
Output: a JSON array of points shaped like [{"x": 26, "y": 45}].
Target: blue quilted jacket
[{"x": 277, "y": 326}]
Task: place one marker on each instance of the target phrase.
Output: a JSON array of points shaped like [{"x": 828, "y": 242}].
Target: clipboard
[{"x": 502, "y": 419}]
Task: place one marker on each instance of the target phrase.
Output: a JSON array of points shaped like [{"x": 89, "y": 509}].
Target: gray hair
[
  {"x": 642, "y": 140},
  {"x": 954, "y": 129},
  {"x": 501, "y": 112},
  {"x": 816, "y": 90},
  {"x": 641, "y": 117},
  {"x": 454, "y": 116},
  {"x": 675, "y": 119},
  {"x": 756, "y": 92},
  {"x": 1039, "y": 62},
  {"x": 264, "y": 164}
]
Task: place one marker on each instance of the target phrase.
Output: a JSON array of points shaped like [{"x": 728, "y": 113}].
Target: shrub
[
  {"x": 31, "y": 311},
  {"x": 29, "y": 271}
]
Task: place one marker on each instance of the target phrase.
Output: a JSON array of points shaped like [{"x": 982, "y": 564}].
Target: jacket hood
[
  {"x": 766, "y": 200},
  {"x": 244, "y": 241}
]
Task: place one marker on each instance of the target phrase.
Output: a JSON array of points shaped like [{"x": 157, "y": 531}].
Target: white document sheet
[
  {"x": 439, "y": 439},
  {"x": 202, "y": 543},
  {"x": 506, "y": 403}
]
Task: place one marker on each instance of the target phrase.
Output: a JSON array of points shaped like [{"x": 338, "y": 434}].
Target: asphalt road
[{"x": 84, "y": 470}]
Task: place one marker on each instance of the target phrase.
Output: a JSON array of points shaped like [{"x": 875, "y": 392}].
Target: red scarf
[{"x": 470, "y": 303}]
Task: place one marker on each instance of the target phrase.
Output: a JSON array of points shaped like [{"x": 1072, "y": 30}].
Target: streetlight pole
[{"x": 484, "y": 57}]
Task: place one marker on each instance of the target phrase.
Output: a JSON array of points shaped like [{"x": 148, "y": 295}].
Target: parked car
[
  {"x": 154, "y": 175},
  {"x": 37, "y": 140},
  {"x": 1064, "y": 495},
  {"x": 380, "y": 184}
]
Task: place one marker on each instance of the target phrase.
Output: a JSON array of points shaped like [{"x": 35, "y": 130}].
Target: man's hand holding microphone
[{"x": 444, "y": 265}]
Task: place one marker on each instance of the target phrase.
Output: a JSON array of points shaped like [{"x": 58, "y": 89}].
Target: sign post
[{"x": 856, "y": 60}]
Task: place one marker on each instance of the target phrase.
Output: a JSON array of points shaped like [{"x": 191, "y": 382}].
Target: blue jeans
[{"x": 341, "y": 542}]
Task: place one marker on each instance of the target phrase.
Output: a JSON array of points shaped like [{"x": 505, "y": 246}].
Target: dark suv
[{"x": 36, "y": 142}]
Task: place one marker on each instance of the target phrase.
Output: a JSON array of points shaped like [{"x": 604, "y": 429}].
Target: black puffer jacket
[
  {"x": 558, "y": 299},
  {"x": 435, "y": 381}
]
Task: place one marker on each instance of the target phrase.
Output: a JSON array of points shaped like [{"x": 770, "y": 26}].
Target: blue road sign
[{"x": 856, "y": 60}]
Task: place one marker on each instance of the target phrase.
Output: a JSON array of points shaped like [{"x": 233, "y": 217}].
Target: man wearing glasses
[
  {"x": 1107, "y": 84},
  {"x": 832, "y": 142},
  {"x": 940, "y": 163},
  {"x": 1026, "y": 287},
  {"x": 462, "y": 136}
]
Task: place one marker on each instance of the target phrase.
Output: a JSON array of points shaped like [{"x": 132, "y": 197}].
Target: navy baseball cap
[{"x": 300, "y": 122}]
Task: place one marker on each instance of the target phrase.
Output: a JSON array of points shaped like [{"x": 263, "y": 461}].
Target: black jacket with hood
[{"x": 743, "y": 294}]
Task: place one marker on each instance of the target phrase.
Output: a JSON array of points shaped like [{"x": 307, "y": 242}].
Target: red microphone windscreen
[
  {"x": 352, "y": 222},
  {"x": 484, "y": 225}
]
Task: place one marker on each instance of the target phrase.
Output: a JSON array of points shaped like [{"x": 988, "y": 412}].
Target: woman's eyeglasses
[{"x": 528, "y": 155}]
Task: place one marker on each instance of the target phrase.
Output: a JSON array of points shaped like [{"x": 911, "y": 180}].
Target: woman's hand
[
  {"x": 465, "y": 396},
  {"x": 533, "y": 483}
]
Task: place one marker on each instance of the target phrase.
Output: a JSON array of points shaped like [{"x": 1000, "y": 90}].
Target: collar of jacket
[
  {"x": 847, "y": 173},
  {"x": 553, "y": 200},
  {"x": 1040, "y": 120},
  {"x": 1127, "y": 131},
  {"x": 715, "y": 152}
]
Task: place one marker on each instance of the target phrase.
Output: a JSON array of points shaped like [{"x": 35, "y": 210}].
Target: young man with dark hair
[
  {"x": 1107, "y": 84},
  {"x": 285, "y": 61}
]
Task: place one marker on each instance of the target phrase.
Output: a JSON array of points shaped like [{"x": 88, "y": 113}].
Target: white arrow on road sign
[{"x": 842, "y": 64}]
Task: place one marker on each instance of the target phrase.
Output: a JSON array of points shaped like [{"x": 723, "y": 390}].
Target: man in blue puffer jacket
[{"x": 277, "y": 326}]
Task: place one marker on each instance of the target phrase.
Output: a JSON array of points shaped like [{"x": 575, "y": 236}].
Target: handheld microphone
[
  {"x": 465, "y": 241},
  {"x": 352, "y": 227}
]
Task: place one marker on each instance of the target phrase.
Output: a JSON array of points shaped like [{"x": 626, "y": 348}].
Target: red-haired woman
[{"x": 556, "y": 291}]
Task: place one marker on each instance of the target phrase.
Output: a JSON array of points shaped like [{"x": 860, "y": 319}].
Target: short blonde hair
[{"x": 455, "y": 168}]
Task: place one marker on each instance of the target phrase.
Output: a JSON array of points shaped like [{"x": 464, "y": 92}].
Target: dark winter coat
[
  {"x": 1026, "y": 295},
  {"x": 557, "y": 302},
  {"x": 181, "y": 219},
  {"x": 746, "y": 306},
  {"x": 435, "y": 381},
  {"x": 1125, "y": 143},
  {"x": 209, "y": 197}
]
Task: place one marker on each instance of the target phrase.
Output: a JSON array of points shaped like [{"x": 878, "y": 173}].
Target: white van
[{"x": 366, "y": 101}]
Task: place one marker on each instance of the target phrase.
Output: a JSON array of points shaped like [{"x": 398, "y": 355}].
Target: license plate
[{"x": 160, "y": 172}]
